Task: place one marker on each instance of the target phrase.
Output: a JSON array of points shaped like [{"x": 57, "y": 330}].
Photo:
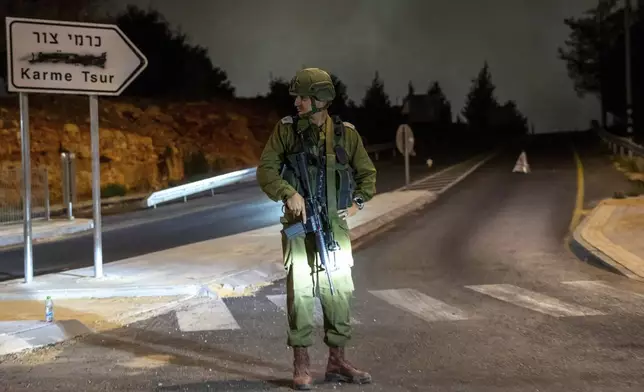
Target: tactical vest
[{"x": 315, "y": 148}]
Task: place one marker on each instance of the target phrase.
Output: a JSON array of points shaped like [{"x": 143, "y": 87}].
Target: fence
[
  {"x": 11, "y": 198},
  {"x": 621, "y": 145}
]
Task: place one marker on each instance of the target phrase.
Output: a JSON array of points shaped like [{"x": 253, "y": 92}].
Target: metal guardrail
[
  {"x": 185, "y": 190},
  {"x": 236, "y": 177},
  {"x": 621, "y": 145}
]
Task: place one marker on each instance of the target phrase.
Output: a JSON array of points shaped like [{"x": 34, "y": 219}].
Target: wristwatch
[{"x": 359, "y": 202}]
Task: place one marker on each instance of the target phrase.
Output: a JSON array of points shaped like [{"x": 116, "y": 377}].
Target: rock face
[{"x": 143, "y": 146}]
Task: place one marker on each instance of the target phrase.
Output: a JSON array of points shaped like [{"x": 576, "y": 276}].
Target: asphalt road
[
  {"x": 477, "y": 292},
  {"x": 232, "y": 210}
]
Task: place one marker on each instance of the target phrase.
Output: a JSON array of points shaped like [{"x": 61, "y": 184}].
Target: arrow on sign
[{"x": 48, "y": 56}]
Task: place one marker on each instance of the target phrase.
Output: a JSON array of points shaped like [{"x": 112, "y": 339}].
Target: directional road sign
[{"x": 49, "y": 56}]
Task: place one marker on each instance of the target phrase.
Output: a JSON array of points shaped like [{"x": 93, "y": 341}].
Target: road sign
[
  {"x": 405, "y": 144},
  {"x": 50, "y": 56},
  {"x": 405, "y": 139}
]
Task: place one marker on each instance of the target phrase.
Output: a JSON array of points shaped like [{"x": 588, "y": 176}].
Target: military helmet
[{"x": 312, "y": 82}]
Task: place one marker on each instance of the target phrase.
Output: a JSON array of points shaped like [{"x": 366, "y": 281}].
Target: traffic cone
[{"x": 522, "y": 164}]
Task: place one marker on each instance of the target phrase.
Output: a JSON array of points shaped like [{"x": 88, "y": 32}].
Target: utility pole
[
  {"x": 601, "y": 60},
  {"x": 627, "y": 54}
]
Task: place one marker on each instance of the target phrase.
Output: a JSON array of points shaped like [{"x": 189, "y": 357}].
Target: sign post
[
  {"x": 49, "y": 56},
  {"x": 405, "y": 144},
  {"x": 26, "y": 185}
]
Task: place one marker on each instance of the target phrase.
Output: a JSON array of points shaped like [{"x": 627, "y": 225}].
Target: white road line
[
  {"x": 535, "y": 301},
  {"x": 421, "y": 305},
  {"x": 603, "y": 288},
  {"x": 208, "y": 316},
  {"x": 280, "y": 301}
]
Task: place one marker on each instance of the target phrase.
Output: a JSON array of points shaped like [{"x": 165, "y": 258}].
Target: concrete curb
[
  {"x": 588, "y": 253},
  {"x": 47, "y": 233},
  {"x": 106, "y": 292},
  {"x": 41, "y": 334}
]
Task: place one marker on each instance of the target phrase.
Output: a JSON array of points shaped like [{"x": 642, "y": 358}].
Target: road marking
[
  {"x": 535, "y": 301},
  {"x": 280, "y": 301},
  {"x": 421, "y": 305},
  {"x": 598, "y": 287},
  {"x": 208, "y": 316}
]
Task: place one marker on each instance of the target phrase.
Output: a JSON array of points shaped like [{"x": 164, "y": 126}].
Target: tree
[
  {"x": 589, "y": 39},
  {"x": 340, "y": 104},
  {"x": 376, "y": 98},
  {"x": 508, "y": 120},
  {"x": 410, "y": 89},
  {"x": 376, "y": 116},
  {"x": 175, "y": 68},
  {"x": 480, "y": 102},
  {"x": 279, "y": 97},
  {"x": 441, "y": 105}
]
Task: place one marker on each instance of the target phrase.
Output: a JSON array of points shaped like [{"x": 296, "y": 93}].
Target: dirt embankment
[{"x": 144, "y": 146}]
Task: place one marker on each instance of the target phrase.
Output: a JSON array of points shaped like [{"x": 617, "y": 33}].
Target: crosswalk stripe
[
  {"x": 280, "y": 301},
  {"x": 535, "y": 301},
  {"x": 421, "y": 305},
  {"x": 603, "y": 288},
  {"x": 212, "y": 315}
]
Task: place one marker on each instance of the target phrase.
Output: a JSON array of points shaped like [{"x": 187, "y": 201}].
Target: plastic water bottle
[{"x": 49, "y": 310}]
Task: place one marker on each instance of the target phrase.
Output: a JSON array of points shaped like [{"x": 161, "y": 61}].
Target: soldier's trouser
[{"x": 303, "y": 278}]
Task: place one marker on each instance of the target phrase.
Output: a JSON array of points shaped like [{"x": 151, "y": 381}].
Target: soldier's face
[{"x": 303, "y": 104}]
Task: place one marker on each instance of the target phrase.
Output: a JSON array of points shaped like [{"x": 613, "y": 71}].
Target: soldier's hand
[
  {"x": 349, "y": 212},
  {"x": 296, "y": 204}
]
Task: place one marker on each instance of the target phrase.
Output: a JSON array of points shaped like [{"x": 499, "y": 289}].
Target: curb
[
  {"x": 7, "y": 241},
  {"x": 590, "y": 254},
  {"x": 107, "y": 292},
  {"x": 41, "y": 334}
]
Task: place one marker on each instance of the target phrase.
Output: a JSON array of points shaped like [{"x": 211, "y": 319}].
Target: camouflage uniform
[{"x": 350, "y": 179}]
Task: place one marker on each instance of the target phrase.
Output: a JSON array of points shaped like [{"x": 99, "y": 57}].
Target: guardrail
[
  {"x": 236, "y": 177},
  {"x": 621, "y": 145}
]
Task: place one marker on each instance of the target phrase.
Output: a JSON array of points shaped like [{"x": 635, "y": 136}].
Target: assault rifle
[{"x": 316, "y": 220}]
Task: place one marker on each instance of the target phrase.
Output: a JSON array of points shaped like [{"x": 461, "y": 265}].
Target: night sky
[{"x": 417, "y": 40}]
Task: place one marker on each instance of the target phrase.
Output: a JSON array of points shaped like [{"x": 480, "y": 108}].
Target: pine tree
[
  {"x": 442, "y": 107},
  {"x": 376, "y": 98},
  {"x": 481, "y": 102}
]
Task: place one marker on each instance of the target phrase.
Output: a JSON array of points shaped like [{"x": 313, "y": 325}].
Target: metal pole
[
  {"x": 627, "y": 54},
  {"x": 26, "y": 185},
  {"x": 96, "y": 186},
  {"x": 47, "y": 201},
  {"x": 600, "y": 33}
]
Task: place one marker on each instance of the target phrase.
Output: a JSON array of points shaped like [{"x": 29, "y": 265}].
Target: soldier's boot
[
  {"x": 302, "y": 379},
  {"x": 340, "y": 369}
]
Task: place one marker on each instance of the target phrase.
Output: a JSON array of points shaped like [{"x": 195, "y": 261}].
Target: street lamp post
[{"x": 627, "y": 54}]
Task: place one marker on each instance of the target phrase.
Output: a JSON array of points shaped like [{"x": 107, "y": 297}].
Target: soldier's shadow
[
  {"x": 239, "y": 385},
  {"x": 186, "y": 352},
  {"x": 232, "y": 386}
]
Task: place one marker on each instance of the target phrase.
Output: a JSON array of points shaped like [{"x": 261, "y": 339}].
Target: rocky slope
[{"x": 144, "y": 146}]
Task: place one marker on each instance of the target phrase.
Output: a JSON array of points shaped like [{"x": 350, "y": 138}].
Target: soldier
[{"x": 336, "y": 149}]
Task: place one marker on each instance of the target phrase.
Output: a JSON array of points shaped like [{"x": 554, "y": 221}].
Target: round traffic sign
[{"x": 405, "y": 139}]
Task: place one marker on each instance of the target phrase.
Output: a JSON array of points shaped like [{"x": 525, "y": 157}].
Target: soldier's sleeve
[
  {"x": 365, "y": 171},
  {"x": 268, "y": 170}
]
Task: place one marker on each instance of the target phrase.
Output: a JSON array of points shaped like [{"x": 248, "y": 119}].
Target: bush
[{"x": 112, "y": 190}]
